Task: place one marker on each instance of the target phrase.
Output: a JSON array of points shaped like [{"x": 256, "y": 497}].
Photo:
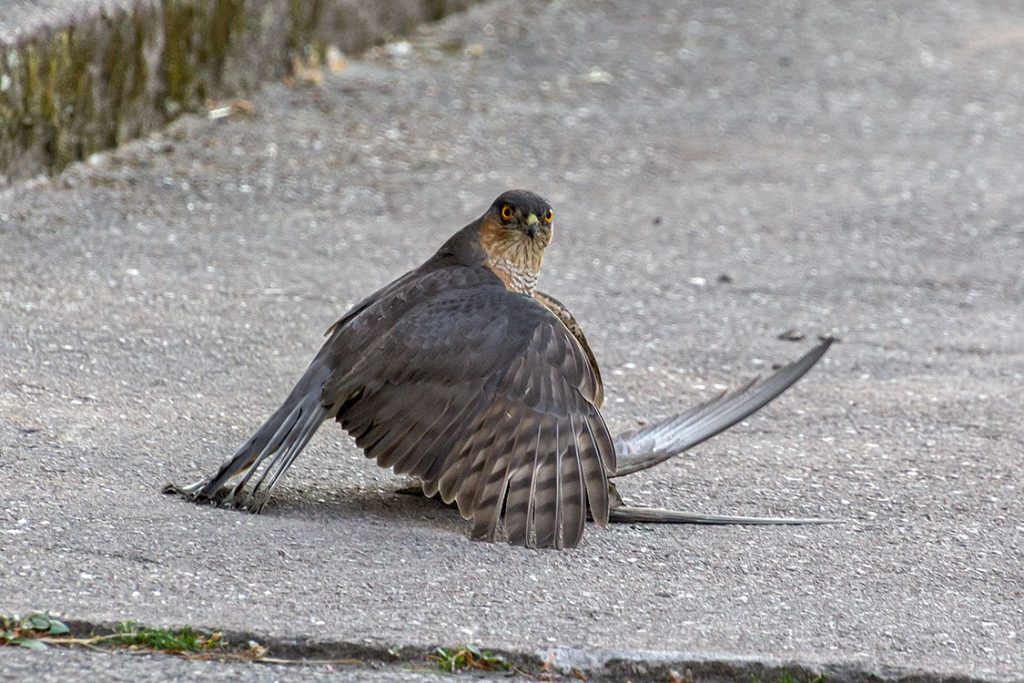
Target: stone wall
[{"x": 78, "y": 77}]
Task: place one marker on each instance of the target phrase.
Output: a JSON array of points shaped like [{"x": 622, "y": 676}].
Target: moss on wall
[{"x": 69, "y": 91}]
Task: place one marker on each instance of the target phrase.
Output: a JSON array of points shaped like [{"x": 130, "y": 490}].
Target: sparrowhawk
[{"x": 461, "y": 374}]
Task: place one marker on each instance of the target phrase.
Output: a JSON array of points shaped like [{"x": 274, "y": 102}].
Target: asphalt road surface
[{"x": 722, "y": 173}]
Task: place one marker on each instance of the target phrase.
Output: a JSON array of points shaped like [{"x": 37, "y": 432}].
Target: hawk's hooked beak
[{"x": 532, "y": 223}]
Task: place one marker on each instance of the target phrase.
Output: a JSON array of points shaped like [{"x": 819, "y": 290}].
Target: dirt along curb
[
  {"x": 560, "y": 663},
  {"x": 77, "y": 77}
]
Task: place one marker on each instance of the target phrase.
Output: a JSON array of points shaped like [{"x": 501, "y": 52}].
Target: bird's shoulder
[
  {"x": 412, "y": 288},
  {"x": 452, "y": 308}
]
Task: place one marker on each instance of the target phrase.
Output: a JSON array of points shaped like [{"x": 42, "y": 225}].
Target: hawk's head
[
  {"x": 523, "y": 212},
  {"x": 513, "y": 235}
]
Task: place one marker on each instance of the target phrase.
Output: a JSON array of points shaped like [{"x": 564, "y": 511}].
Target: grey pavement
[{"x": 721, "y": 173}]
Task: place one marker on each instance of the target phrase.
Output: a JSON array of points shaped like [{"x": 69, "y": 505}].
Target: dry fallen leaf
[{"x": 308, "y": 69}]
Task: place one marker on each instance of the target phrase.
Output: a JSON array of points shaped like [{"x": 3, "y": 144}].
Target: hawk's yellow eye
[
  {"x": 549, "y": 216},
  {"x": 507, "y": 212}
]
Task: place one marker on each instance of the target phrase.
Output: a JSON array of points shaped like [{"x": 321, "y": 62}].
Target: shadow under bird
[{"x": 461, "y": 374}]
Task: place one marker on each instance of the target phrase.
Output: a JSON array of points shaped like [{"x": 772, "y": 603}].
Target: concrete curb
[
  {"x": 574, "y": 664},
  {"x": 79, "y": 77}
]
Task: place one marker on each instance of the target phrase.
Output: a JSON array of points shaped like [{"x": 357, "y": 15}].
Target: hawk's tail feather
[
  {"x": 624, "y": 514},
  {"x": 656, "y": 443}
]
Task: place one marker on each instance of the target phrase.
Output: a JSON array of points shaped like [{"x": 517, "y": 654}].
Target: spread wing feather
[
  {"x": 658, "y": 442},
  {"x": 489, "y": 399}
]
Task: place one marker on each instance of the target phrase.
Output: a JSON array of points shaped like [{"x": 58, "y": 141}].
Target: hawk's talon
[
  {"x": 189, "y": 492},
  {"x": 224, "y": 497}
]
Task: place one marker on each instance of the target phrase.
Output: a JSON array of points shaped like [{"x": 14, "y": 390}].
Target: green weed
[
  {"x": 788, "y": 677},
  {"x": 27, "y": 631},
  {"x": 468, "y": 657}
]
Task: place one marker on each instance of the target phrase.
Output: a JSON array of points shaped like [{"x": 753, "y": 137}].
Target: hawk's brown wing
[
  {"x": 480, "y": 393},
  {"x": 569, "y": 320}
]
